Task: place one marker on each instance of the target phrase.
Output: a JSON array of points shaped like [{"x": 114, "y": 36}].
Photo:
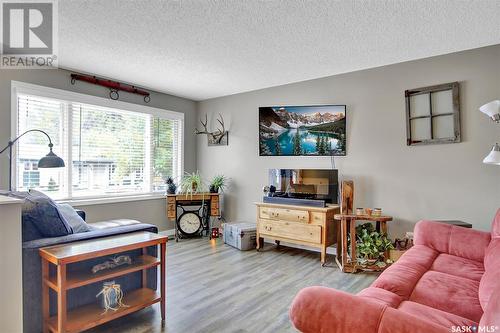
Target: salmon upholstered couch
[{"x": 449, "y": 281}]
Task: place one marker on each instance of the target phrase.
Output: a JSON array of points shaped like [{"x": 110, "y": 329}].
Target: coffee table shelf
[
  {"x": 88, "y": 316},
  {"x": 80, "y": 278}
]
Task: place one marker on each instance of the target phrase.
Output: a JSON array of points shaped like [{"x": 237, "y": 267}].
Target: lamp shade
[
  {"x": 492, "y": 110},
  {"x": 51, "y": 160},
  {"x": 494, "y": 156}
]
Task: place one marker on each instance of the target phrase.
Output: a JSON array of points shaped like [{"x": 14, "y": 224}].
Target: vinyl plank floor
[{"x": 212, "y": 287}]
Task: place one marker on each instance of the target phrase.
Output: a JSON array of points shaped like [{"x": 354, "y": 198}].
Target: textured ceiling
[{"x": 202, "y": 49}]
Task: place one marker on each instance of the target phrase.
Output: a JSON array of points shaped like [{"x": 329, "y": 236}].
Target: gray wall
[
  {"x": 150, "y": 211},
  {"x": 411, "y": 183}
]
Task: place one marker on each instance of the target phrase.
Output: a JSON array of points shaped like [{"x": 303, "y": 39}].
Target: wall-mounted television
[{"x": 314, "y": 130}]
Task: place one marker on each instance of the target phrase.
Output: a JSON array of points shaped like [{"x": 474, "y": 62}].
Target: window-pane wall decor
[
  {"x": 433, "y": 114},
  {"x": 108, "y": 151}
]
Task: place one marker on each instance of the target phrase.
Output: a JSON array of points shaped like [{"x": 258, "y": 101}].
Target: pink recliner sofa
[{"x": 449, "y": 281}]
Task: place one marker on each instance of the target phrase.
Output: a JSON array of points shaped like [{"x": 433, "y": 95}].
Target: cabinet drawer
[
  {"x": 291, "y": 230},
  {"x": 318, "y": 218},
  {"x": 171, "y": 211},
  {"x": 293, "y": 215},
  {"x": 264, "y": 212}
]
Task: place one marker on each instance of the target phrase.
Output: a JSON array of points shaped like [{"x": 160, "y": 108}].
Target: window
[{"x": 108, "y": 151}]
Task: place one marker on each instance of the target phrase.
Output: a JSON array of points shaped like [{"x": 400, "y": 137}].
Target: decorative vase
[
  {"x": 110, "y": 295},
  {"x": 213, "y": 189}
]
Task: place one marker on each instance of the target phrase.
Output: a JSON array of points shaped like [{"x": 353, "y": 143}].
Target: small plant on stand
[
  {"x": 371, "y": 246},
  {"x": 171, "y": 186},
  {"x": 218, "y": 183}
]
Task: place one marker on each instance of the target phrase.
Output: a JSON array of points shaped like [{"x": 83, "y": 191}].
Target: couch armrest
[
  {"x": 321, "y": 309},
  {"x": 451, "y": 239},
  {"x": 39, "y": 243}
]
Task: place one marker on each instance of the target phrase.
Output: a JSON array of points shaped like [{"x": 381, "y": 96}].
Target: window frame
[
  {"x": 451, "y": 86},
  {"x": 23, "y": 88}
]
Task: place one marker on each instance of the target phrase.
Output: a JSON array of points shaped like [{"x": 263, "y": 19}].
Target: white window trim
[
  {"x": 110, "y": 200},
  {"x": 18, "y": 87}
]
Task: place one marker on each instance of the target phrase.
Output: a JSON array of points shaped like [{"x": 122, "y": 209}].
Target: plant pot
[
  {"x": 213, "y": 189},
  {"x": 194, "y": 186}
]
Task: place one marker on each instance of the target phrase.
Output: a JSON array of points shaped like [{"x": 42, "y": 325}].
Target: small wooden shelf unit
[
  {"x": 346, "y": 260},
  {"x": 89, "y": 316}
]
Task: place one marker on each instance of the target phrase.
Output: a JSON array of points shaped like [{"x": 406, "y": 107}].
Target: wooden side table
[
  {"x": 92, "y": 315},
  {"x": 346, "y": 260}
]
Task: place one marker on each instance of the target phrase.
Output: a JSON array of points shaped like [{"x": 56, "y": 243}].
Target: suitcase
[{"x": 240, "y": 235}]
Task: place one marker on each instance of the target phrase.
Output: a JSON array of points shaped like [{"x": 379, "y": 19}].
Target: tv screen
[
  {"x": 316, "y": 130},
  {"x": 316, "y": 184}
]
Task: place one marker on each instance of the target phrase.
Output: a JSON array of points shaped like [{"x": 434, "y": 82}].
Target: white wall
[
  {"x": 410, "y": 183},
  {"x": 151, "y": 211}
]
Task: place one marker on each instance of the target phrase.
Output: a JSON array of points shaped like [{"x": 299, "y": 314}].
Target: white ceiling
[{"x": 202, "y": 49}]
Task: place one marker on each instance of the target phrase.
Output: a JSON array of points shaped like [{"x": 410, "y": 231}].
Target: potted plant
[
  {"x": 171, "y": 186},
  {"x": 217, "y": 184},
  {"x": 371, "y": 246},
  {"x": 191, "y": 183}
]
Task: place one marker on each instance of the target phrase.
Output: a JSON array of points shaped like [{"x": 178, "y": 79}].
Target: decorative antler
[
  {"x": 204, "y": 126},
  {"x": 216, "y": 136},
  {"x": 221, "y": 121}
]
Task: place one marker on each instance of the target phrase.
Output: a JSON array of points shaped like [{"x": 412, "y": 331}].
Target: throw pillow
[
  {"x": 42, "y": 212},
  {"x": 74, "y": 220}
]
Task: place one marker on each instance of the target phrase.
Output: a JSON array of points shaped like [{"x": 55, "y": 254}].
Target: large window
[{"x": 108, "y": 151}]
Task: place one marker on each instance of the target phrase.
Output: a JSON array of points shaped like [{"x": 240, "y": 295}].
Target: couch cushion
[
  {"x": 74, "y": 219},
  {"x": 495, "y": 226},
  {"x": 41, "y": 212},
  {"x": 402, "y": 277},
  {"x": 434, "y": 315},
  {"x": 458, "y": 266},
  {"x": 491, "y": 278},
  {"x": 491, "y": 316},
  {"x": 451, "y": 239},
  {"x": 453, "y": 294},
  {"x": 381, "y": 296},
  {"x": 112, "y": 224}
]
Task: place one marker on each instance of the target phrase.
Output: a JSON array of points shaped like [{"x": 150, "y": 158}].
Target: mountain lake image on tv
[{"x": 318, "y": 130}]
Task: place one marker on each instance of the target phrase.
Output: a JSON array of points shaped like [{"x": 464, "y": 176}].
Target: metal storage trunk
[{"x": 240, "y": 235}]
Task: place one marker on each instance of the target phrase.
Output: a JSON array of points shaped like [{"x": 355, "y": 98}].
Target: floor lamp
[{"x": 51, "y": 160}]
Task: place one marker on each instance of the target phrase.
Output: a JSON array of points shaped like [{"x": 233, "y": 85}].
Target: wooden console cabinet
[{"x": 304, "y": 225}]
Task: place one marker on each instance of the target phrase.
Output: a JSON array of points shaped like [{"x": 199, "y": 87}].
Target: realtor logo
[{"x": 29, "y": 34}]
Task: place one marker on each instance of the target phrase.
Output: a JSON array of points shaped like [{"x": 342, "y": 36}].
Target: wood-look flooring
[{"x": 212, "y": 287}]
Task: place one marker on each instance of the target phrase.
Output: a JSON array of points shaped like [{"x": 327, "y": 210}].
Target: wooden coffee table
[{"x": 89, "y": 316}]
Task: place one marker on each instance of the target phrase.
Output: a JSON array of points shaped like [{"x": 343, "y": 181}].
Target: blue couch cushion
[
  {"x": 41, "y": 216},
  {"x": 75, "y": 221}
]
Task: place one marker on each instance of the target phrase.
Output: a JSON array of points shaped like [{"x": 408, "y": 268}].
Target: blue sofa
[{"x": 32, "y": 295}]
